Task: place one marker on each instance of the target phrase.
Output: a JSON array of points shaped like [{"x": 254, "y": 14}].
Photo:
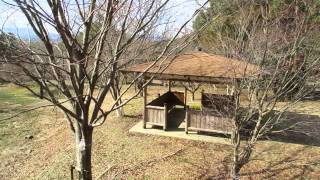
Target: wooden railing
[
  {"x": 197, "y": 120},
  {"x": 157, "y": 115},
  {"x": 156, "y": 112}
]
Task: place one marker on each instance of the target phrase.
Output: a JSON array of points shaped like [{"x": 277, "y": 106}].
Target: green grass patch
[
  {"x": 194, "y": 105},
  {"x": 14, "y": 100},
  {"x": 15, "y": 95}
]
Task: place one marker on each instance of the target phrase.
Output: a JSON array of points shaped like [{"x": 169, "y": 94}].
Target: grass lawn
[
  {"x": 14, "y": 100},
  {"x": 118, "y": 153}
]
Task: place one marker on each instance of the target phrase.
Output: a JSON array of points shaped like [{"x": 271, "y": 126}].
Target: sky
[{"x": 12, "y": 20}]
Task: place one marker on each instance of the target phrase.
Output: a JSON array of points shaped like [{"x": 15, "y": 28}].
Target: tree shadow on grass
[
  {"x": 315, "y": 95},
  {"x": 285, "y": 162},
  {"x": 305, "y": 129},
  {"x": 210, "y": 170},
  {"x": 289, "y": 164}
]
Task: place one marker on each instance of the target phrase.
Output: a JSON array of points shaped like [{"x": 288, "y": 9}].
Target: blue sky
[{"x": 11, "y": 19}]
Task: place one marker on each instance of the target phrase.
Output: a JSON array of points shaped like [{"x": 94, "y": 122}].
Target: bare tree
[
  {"x": 192, "y": 87},
  {"x": 264, "y": 111},
  {"x": 284, "y": 65},
  {"x": 277, "y": 44},
  {"x": 96, "y": 37}
]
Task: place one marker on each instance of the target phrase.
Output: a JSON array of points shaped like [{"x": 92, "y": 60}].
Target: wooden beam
[
  {"x": 169, "y": 85},
  {"x": 209, "y": 130},
  {"x": 155, "y": 107},
  {"x": 188, "y": 78},
  {"x": 154, "y": 123}
]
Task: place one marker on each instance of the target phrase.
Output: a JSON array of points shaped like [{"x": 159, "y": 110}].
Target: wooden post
[
  {"x": 169, "y": 85},
  {"x": 145, "y": 92},
  {"x": 165, "y": 116},
  {"x": 187, "y": 120},
  {"x": 227, "y": 89},
  {"x": 236, "y": 87},
  {"x": 214, "y": 87},
  {"x": 71, "y": 171},
  {"x": 185, "y": 98},
  {"x": 232, "y": 90}
]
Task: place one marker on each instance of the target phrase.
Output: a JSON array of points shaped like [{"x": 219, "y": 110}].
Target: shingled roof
[{"x": 197, "y": 67}]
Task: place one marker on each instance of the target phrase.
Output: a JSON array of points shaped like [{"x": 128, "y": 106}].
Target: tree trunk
[
  {"x": 236, "y": 139},
  {"x": 115, "y": 95},
  {"x": 120, "y": 112},
  {"x": 193, "y": 95},
  {"x": 235, "y": 171},
  {"x": 83, "y": 137},
  {"x": 240, "y": 159}
]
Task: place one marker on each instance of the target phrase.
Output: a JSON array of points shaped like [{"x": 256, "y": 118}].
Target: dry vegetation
[{"x": 134, "y": 156}]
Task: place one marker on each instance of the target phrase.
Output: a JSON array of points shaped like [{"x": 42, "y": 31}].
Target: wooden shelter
[{"x": 194, "y": 67}]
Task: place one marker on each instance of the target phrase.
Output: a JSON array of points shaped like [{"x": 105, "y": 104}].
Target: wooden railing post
[
  {"x": 71, "y": 172},
  {"x": 145, "y": 113},
  {"x": 187, "y": 120},
  {"x": 185, "y": 98},
  {"x": 165, "y": 116}
]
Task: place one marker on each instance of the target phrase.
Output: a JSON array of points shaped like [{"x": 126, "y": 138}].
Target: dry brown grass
[{"x": 135, "y": 156}]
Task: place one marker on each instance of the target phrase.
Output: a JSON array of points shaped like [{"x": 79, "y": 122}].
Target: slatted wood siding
[
  {"x": 197, "y": 120},
  {"x": 157, "y": 116}
]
